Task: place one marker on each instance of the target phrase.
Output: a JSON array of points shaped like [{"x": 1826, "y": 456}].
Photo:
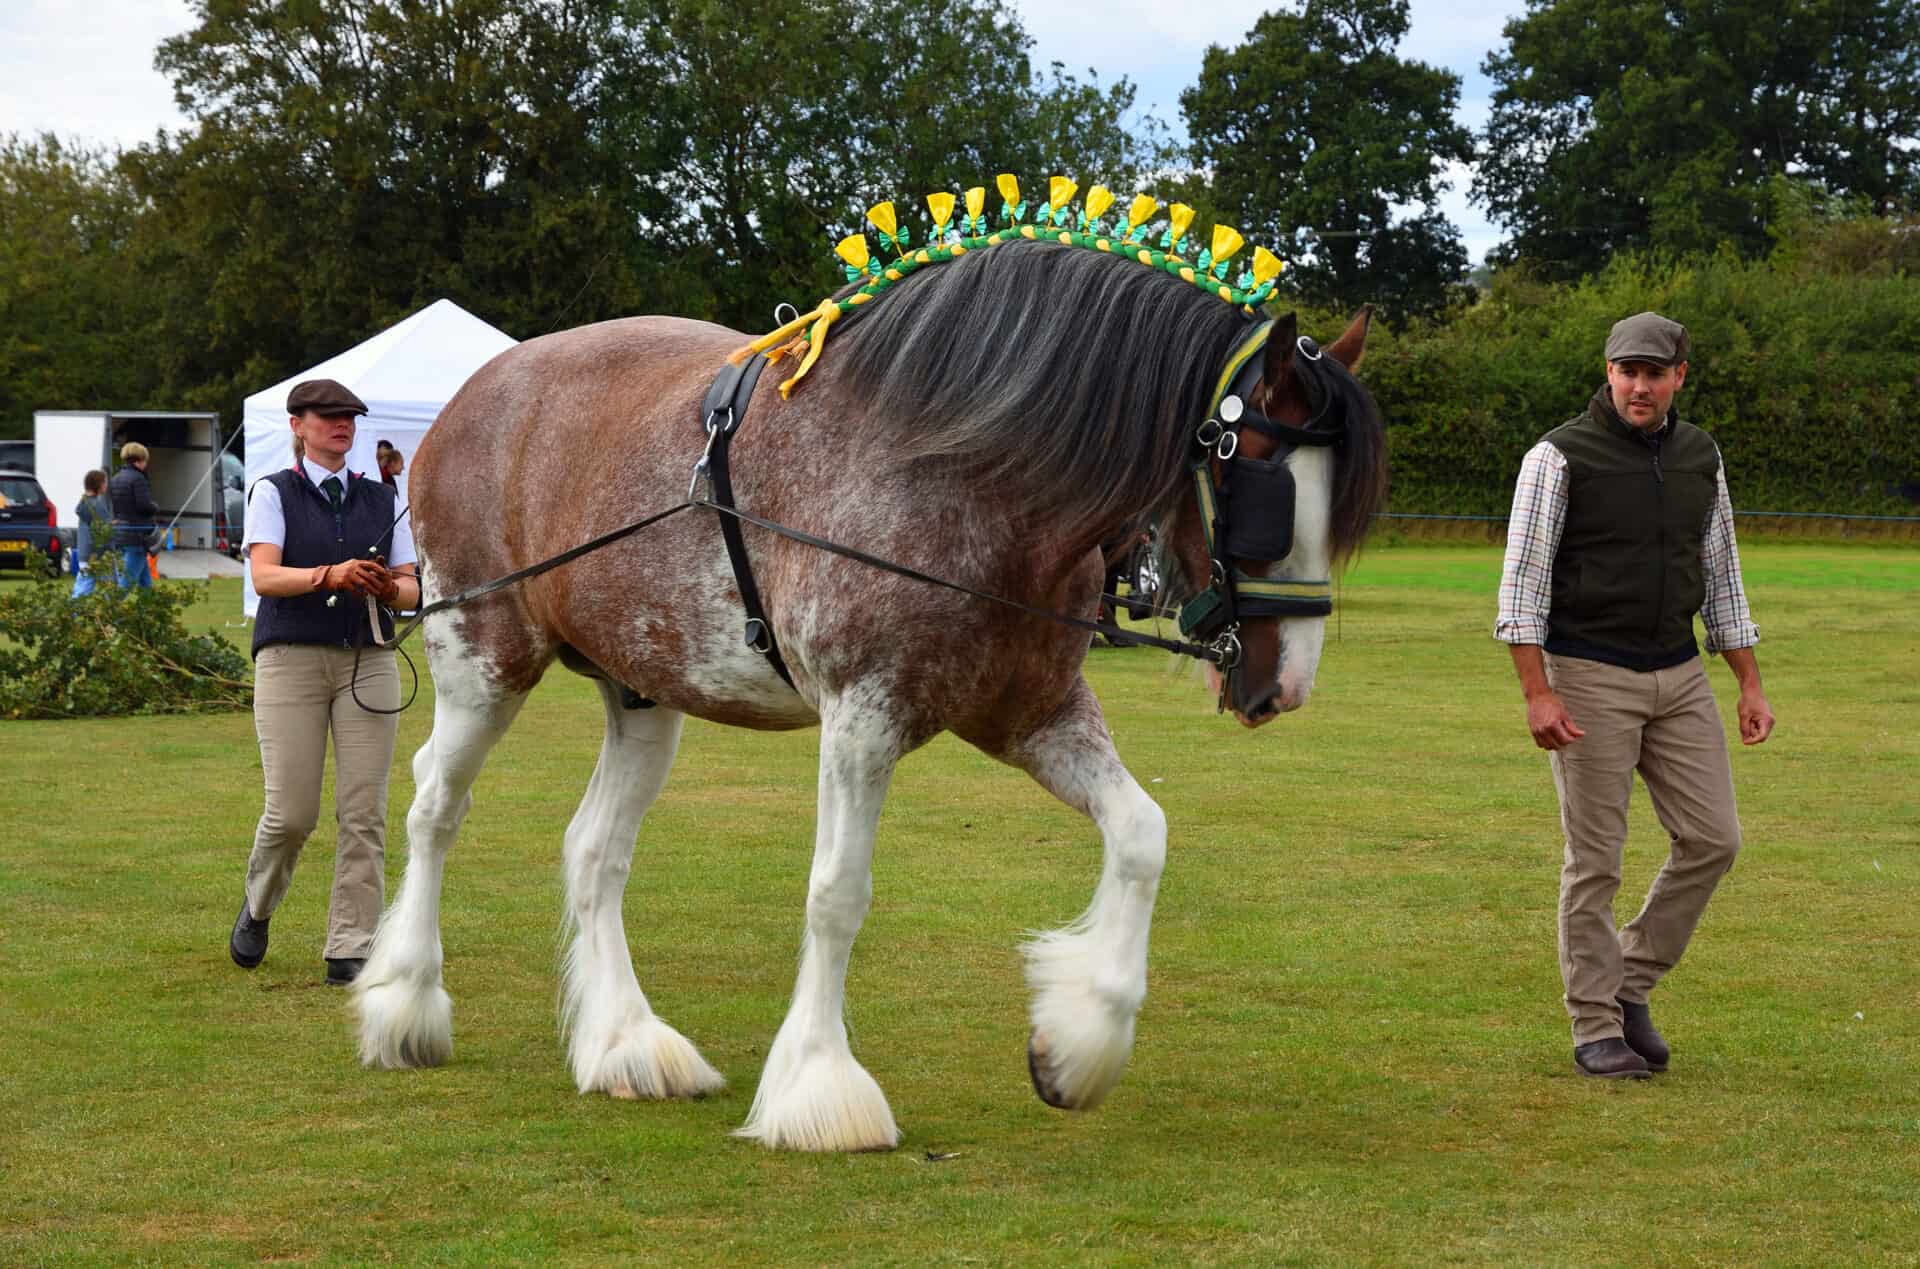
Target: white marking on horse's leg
[
  {"x": 813, "y": 1094},
  {"x": 406, "y": 1016},
  {"x": 1089, "y": 978},
  {"x": 616, "y": 1043}
]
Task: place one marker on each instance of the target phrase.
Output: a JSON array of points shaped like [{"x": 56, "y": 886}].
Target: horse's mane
[{"x": 1070, "y": 378}]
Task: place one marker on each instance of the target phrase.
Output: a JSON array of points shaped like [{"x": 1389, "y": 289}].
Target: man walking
[{"x": 1621, "y": 531}]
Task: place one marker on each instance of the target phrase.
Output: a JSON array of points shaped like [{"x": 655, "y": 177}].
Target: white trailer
[{"x": 183, "y": 462}]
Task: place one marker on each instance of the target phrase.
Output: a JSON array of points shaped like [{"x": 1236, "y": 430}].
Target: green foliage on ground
[
  {"x": 1352, "y": 1050},
  {"x": 112, "y": 652}
]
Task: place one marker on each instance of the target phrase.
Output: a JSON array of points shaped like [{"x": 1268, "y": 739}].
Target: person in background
[
  {"x": 315, "y": 534},
  {"x": 1621, "y": 532},
  {"x": 131, "y": 495},
  {"x": 93, "y": 542},
  {"x": 391, "y": 465}
]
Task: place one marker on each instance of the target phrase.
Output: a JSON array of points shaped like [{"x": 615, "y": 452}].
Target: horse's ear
[
  {"x": 1280, "y": 346},
  {"x": 1352, "y": 344}
]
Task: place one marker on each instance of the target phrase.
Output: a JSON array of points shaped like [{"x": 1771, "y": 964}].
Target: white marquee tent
[{"x": 405, "y": 374}]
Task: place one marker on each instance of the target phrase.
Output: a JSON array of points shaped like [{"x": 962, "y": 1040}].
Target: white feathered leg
[
  {"x": 616, "y": 1043},
  {"x": 813, "y": 1094},
  {"x": 406, "y": 1016},
  {"x": 1090, "y": 978}
]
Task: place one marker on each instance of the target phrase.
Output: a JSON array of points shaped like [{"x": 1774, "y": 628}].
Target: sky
[{"x": 85, "y": 70}]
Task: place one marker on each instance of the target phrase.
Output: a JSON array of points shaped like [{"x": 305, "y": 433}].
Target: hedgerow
[{"x": 1805, "y": 368}]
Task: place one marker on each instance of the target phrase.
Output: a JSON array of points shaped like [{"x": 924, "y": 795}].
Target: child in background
[{"x": 93, "y": 542}]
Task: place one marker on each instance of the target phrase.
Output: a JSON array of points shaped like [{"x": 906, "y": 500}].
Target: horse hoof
[{"x": 1041, "y": 1075}]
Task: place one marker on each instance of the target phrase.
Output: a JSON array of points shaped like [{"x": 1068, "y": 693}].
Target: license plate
[{"x": 16, "y": 545}]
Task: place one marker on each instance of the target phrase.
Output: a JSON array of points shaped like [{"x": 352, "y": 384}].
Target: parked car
[
  {"x": 28, "y": 522},
  {"x": 17, "y": 456}
]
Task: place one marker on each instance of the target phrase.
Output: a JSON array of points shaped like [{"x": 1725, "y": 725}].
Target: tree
[
  {"x": 554, "y": 162},
  {"x": 354, "y": 159},
  {"x": 800, "y": 114},
  {"x": 70, "y": 313},
  {"x": 1319, "y": 139},
  {"x": 1658, "y": 123}
]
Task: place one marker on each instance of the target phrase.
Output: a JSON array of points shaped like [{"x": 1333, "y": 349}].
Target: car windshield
[{"x": 15, "y": 490}]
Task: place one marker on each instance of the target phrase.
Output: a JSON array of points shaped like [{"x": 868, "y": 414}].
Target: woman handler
[{"x": 314, "y": 534}]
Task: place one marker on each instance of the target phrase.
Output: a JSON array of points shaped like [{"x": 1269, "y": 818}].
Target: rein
[{"x": 1220, "y": 653}]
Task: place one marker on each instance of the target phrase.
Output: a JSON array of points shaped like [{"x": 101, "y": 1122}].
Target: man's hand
[
  {"x": 1547, "y": 717},
  {"x": 1756, "y": 716},
  {"x": 1551, "y": 725}
]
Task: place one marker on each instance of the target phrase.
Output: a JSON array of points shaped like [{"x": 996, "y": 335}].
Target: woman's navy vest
[{"x": 315, "y": 536}]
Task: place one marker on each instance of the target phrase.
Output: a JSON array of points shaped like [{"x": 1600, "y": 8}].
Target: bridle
[{"x": 1246, "y": 506}]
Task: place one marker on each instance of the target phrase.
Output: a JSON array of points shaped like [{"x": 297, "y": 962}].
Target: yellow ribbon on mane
[{"x": 814, "y": 325}]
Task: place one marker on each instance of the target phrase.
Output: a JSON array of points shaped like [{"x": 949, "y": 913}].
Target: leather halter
[{"x": 1233, "y": 594}]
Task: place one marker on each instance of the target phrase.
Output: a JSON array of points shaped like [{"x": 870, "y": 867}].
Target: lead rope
[{"x": 469, "y": 595}]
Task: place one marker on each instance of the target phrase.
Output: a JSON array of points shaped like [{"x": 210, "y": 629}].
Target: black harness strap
[
  {"x": 1113, "y": 632},
  {"x": 721, "y": 414}
]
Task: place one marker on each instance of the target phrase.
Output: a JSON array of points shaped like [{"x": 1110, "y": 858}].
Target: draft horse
[{"x": 992, "y": 422}]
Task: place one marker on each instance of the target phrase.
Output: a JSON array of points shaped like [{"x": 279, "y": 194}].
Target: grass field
[{"x": 1353, "y": 1050}]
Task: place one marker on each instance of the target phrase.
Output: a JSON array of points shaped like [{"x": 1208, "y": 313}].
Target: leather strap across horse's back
[{"x": 721, "y": 414}]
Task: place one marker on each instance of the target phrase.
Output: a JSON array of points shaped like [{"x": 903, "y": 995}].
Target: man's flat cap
[
  {"x": 329, "y": 396},
  {"x": 1648, "y": 337}
]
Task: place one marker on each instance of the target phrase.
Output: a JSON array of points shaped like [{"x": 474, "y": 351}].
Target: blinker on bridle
[{"x": 1246, "y": 512}]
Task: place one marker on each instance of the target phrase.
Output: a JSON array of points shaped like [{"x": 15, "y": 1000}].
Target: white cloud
[{"x": 85, "y": 71}]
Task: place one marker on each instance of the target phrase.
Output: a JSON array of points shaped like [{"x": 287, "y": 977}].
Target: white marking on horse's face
[{"x": 1301, "y": 638}]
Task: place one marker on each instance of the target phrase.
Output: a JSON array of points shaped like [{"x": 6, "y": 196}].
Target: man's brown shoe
[
  {"x": 1637, "y": 1022},
  {"x": 1610, "y": 1059}
]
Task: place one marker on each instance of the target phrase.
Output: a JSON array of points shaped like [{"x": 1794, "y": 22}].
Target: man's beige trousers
[
  {"x": 302, "y": 693},
  {"x": 1665, "y": 725}
]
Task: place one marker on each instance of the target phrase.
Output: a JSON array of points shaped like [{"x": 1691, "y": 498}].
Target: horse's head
[{"x": 1284, "y": 496}]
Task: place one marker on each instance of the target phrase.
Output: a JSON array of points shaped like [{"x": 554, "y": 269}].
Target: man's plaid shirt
[{"x": 1533, "y": 536}]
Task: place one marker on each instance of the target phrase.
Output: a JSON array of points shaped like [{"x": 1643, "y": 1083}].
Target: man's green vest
[{"x": 1627, "y": 578}]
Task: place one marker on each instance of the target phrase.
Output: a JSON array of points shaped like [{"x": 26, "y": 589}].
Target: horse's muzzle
[{"x": 1259, "y": 703}]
